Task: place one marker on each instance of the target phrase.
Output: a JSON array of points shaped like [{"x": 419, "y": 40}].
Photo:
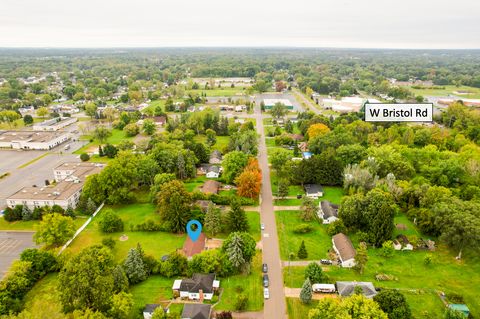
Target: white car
[
  {"x": 262, "y": 226},
  {"x": 266, "y": 293}
]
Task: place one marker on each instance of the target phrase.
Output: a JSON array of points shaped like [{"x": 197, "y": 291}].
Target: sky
[{"x": 429, "y": 24}]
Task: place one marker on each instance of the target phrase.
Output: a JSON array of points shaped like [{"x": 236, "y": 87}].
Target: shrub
[
  {"x": 302, "y": 251},
  {"x": 109, "y": 242},
  {"x": 148, "y": 225},
  {"x": 110, "y": 222},
  {"x": 336, "y": 227},
  {"x": 241, "y": 302},
  {"x": 84, "y": 157},
  {"x": 303, "y": 229},
  {"x": 110, "y": 151},
  {"x": 14, "y": 214}
]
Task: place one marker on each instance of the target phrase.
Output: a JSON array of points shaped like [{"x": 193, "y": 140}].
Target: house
[
  {"x": 203, "y": 204},
  {"x": 215, "y": 157},
  {"x": 344, "y": 249},
  {"x": 150, "y": 308},
  {"x": 328, "y": 212},
  {"x": 347, "y": 288},
  {"x": 159, "y": 120},
  {"x": 211, "y": 187},
  {"x": 402, "y": 243},
  {"x": 199, "y": 287},
  {"x": 213, "y": 172},
  {"x": 196, "y": 311},
  {"x": 191, "y": 248},
  {"x": 313, "y": 190}
]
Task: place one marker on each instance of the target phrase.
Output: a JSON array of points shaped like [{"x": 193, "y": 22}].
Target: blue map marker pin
[{"x": 194, "y": 234}]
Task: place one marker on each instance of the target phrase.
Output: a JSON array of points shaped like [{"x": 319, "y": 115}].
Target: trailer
[{"x": 324, "y": 288}]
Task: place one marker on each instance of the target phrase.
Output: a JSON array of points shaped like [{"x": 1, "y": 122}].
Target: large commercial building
[
  {"x": 269, "y": 103},
  {"x": 70, "y": 178},
  {"x": 28, "y": 140},
  {"x": 55, "y": 124}
]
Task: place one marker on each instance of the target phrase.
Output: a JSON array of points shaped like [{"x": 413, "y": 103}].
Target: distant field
[
  {"x": 448, "y": 89},
  {"x": 224, "y": 91}
]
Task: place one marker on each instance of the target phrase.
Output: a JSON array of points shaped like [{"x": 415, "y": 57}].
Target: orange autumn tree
[
  {"x": 250, "y": 180},
  {"x": 318, "y": 129}
]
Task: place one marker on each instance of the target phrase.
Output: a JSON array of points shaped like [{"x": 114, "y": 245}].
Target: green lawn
[
  {"x": 44, "y": 300},
  {"x": 153, "y": 105},
  {"x": 223, "y": 91},
  {"x": 195, "y": 183},
  {"x": 221, "y": 144},
  {"x": 448, "y": 89},
  {"x": 297, "y": 309},
  {"x": 116, "y": 137},
  {"x": 317, "y": 242},
  {"x": 156, "y": 244},
  {"x": 156, "y": 289},
  {"x": 250, "y": 285}
]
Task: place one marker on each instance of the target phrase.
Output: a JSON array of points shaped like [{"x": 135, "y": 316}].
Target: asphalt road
[
  {"x": 11, "y": 246},
  {"x": 275, "y": 307}
]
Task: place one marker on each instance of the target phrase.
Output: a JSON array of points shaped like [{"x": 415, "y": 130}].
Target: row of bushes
[
  {"x": 33, "y": 265},
  {"x": 23, "y": 212},
  {"x": 223, "y": 199}
]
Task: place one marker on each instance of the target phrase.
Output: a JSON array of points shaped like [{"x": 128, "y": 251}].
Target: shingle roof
[
  {"x": 198, "y": 282},
  {"x": 191, "y": 248},
  {"x": 196, "y": 311},
  {"x": 347, "y": 288},
  {"x": 211, "y": 187},
  {"x": 150, "y": 308},
  {"x": 312, "y": 188},
  {"x": 329, "y": 209},
  {"x": 344, "y": 246}
]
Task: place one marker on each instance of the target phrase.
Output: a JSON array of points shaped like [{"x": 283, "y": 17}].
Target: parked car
[
  {"x": 67, "y": 147},
  {"x": 262, "y": 226},
  {"x": 299, "y": 196},
  {"x": 266, "y": 293},
  {"x": 265, "y": 268},
  {"x": 266, "y": 282},
  {"x": 326, "y": 262}
]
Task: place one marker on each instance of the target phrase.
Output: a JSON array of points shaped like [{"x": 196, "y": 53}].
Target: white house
[
  {"x": 213, "y": 172},
  {"x": 328, "y": 212},
  {"x": 344, "y": 249},
  {"x": 313, "y": 190},
  {"x": 199, "y": 287}
]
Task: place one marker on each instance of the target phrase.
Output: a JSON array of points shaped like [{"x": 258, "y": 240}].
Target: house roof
[
  {"x": 191, "y": 248},
  {"x": 160, "y": 119},
  {"x": 214, "y": 169},
  {"x": 347, "y": 288},
  {"x": 198, "y": 282},
  {"x": 196, "y": 311},
  {"x": 403, "y": 239},
  {"x": 216, "y": 154},
  {"x": 329, "y": 209},
  {"x": 211, "y": 187},
  {"x": 150, "y": 308},
  {"x": 344, "y": 246},
  {"x": 312, "y": 188},
  {"x": 203, "y": 204}
]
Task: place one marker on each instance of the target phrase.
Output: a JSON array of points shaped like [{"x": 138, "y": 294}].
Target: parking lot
[{"x": 11, "y": 246}]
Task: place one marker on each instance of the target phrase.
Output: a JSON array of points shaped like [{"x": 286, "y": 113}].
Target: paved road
[
  {"x": 299, "y": 95},
  {"x": 11, "y": 246},
  {"x": 275, "y": 307}
]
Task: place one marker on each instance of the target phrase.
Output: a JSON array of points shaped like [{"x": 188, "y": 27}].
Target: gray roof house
[
  {"x": 215, "y": 157},
  {"x": 347, "y": 288},
  {"x": 328, "y": 212},
  {"x": 196, "y": 311},
  {"x": 313, "y": 190}
]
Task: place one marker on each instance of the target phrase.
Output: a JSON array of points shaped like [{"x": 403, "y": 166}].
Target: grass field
[
  {"x": 445, "y": 274},
  {"x": 221, "y": 144},
  {"x": 250, "y": 285},
  {"x": 224, "y": 91},
  {"x": 116, "y": 137},
  {"x": 317, "y": 242},
  {"x": 298, "y": 310},
  {"x": 333, "y": 194},
  {"x": 156, "y": 244},
  {"x": 155, "y": 290},
  {"x": 448, "y": 89}
]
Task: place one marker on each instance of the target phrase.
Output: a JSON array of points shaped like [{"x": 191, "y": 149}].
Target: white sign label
[{"x": 378, "y": 112}]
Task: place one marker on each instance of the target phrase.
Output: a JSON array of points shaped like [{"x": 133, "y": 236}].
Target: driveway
[
  {"x": 275, "y": 307},
  {"x": 11, "y": 246}
]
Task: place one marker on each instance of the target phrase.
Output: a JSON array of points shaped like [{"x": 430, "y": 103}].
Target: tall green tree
[
  {"x": 134, "y": 266},
  {"x": 314, "y": 273},
  {"x": 306, "y": 293},
  {"x": 236, "y": 218},
  {"x": 393, "y": 303},
  {"x": 173, "y": 204},
  {"x": 233, "y": 164},
  {"x": 213, "y": 220},
  {"x": 54, "y": 230}
]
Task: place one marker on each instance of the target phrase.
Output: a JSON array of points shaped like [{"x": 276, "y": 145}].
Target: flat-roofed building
[
  {"x": 55, "y": 124},
  {"x": 269, "y": 103},
  {"x": 65, "y": 193},
  {"x": 76, "y": 170},
  {"x": 28, "y": 140}
]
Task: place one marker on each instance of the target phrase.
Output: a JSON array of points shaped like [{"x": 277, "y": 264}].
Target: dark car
[
  {"x": 299, "y": 196},
  {"x": 265, "y": 268},
  {"x": 326, "y": 262},
  {"x": 266, "y": 282}
]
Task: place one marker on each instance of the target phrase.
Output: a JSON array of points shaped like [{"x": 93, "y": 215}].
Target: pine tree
[
  {"x": 237, "y": 219},
  {"x": 306, "y": 292},
  {"x": 302, "y": 251},
  {"x": 134, "y": 266},
  {"x": 213, "y": 220},
  {"x": 26, "y": 213},
  {"x": 235, "y": 251},
  {"x": 361, "y": 257}
]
